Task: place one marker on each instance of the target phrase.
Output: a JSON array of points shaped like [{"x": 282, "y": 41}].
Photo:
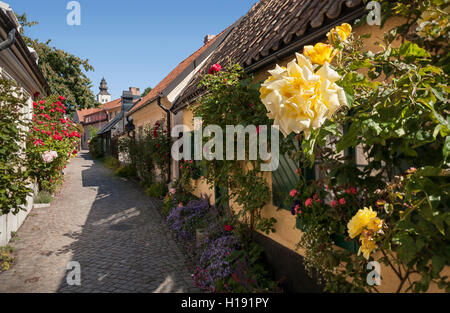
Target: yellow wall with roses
[{"x": 286, "y": 232}]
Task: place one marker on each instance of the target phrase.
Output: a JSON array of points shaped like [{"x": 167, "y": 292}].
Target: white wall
[{"x": 11, "y": 223}]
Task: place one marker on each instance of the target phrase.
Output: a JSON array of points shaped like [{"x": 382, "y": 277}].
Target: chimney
[
  {"x": 135, "y": 91},
  {"x": 208, "y": 38}
]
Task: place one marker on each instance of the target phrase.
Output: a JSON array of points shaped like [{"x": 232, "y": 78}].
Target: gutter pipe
[{"x": 10, "y": 41}]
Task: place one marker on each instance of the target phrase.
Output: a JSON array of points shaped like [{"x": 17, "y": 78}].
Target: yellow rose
[
  {"x": 299, "y": 99},
  {"x": 367, "y": 246},
  {"x": 342, "y": 32},
  {"x": 361, "y": 221},
  {"x": 320, "y": 53}
]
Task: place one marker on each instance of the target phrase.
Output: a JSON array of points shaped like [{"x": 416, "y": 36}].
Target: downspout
[
  {"x": 169, "y": 171},
  {"x": 10, "y": 41}
]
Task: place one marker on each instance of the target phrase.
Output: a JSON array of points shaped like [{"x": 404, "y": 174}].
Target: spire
[{"x": 103, "y": 87}]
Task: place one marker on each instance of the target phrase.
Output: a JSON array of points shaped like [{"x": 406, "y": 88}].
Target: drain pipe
[
  {"x": 10, "y": 41},
  {"x": 169, "y": 171}
]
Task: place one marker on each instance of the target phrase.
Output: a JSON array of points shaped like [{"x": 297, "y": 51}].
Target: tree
[
  {"x": 64, "y": 72},
  {"x": 147, "y": 91}
]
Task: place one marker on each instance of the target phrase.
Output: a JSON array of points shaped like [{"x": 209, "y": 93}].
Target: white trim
[{"x": 173, "y": 95}]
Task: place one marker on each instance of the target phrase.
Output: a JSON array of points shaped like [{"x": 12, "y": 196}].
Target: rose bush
[
  {"x": 52, "y": 141},
  {"x": 394, "y": 204}
]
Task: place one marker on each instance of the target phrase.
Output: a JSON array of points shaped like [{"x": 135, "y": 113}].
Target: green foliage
[
  {"x": 156, "y": 190},
  {"x": 126, "y": 171},
  {"x": 6, "y": 259},
  {"x": 148, "y": 152},
  {"x": 232, "y": 99},
  {"x": 14, "y": 178},
  {"x": 398, "y": 116},
  {"x": 92, "y": 131},
  {"x": 96, "y": 148},
  {"x": 43, "y": 197},
  {"x": 64, "y": 72},
  {"x": 111, "y": 162},
  {"x": 250, "y": 273},
  {"x": 146, "y": 91}
]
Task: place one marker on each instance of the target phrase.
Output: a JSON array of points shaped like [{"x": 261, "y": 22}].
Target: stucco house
[
  {"x": 94, "y": 119},
  {"x": 19, "y": 63},
  {"x": 116, "y": 126},
  {"x": 269, "y": 34},
  {"x": 157, "y": 104}
]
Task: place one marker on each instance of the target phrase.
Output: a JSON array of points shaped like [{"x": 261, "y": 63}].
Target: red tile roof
[
  {"x": 268, "y": 27},
  {"x": 153, "y": 94},
  {"x": 104, "y": 107}
]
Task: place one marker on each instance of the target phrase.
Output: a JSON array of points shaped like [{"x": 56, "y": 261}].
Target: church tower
[{"x": 103, "y": 96}]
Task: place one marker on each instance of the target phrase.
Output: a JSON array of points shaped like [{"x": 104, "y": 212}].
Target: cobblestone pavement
[{"x": 110, "y": 227}]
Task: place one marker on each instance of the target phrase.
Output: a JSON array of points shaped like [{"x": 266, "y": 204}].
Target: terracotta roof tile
[
  {"x": 104, "y": 107},
  {"x": 172, "y": 75},
  {"x": 269, "y": 26}
]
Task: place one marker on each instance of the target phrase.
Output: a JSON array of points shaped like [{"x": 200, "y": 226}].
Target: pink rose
[
  {"x": 342, "y": 201},
  {"x": 334, "y": 203},
  {"x": 228, "y": 227},
  {"x": 215, "y": 68},
  {"x": 293, "y": 193},
  {"x": 308, "y": 202}
]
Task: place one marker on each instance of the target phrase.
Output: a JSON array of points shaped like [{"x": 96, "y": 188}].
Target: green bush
[
  {"x": 110, "y": 162},
  {"x": 157, "y": 190},
  {"x": 43, "y": 197},
  {"x": 6, "y": 259},
  {"x": 14, "y": 187},
  {"x": 95, "y": 147},
  {"x": 126, "y": 171}
]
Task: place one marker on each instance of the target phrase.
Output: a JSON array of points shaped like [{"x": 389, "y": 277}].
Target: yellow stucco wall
[
  {"x": 286, "y": 232},
  {"x": 149, "y": 114}
]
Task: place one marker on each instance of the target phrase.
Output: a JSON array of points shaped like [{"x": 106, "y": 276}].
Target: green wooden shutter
[{"x": 284, "y": 179}]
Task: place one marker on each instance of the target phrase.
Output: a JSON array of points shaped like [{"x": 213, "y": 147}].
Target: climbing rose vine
[{"x": 300, "y": 98}]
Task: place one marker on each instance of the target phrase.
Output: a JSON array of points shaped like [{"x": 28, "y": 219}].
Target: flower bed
[{"x": 223, "y": 261}]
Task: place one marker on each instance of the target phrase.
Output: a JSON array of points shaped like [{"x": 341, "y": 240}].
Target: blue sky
[{"x": 134, "y": 42}]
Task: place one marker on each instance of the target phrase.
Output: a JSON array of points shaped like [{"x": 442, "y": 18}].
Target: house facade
[
  {"x": 18, "y": 62},
  {"x": 94, "y": 119},
  {"x": 116, "y": 126},
  {"x": 269, "y": 34},
  {"x": 157, "y": 105}
]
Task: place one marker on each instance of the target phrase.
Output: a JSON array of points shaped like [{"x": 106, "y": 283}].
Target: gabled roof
[
  {"x": 9, "y": 25},
  {"x": 117, "y": 118},
  {"x": 272, "y": 27},
  {"x": 104, "y": 107},
  {"x": 182, "y": 70}
]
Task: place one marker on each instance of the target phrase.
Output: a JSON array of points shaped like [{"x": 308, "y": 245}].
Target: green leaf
[
  {"x": 409, "y": 49},
  {"x": 446, "y": 148},
  {"x": 437, "y": 264}
]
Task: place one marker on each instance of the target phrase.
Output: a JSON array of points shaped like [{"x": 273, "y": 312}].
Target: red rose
[
  {"x": 62, "y": 98},
  {"x": 342, "y": 201},
  {"x": 228, "y": 227},
  {"x": 75, "y": 152},
  {"x": 36, "y": 94},
  {"x": 215, "y": 68}
]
